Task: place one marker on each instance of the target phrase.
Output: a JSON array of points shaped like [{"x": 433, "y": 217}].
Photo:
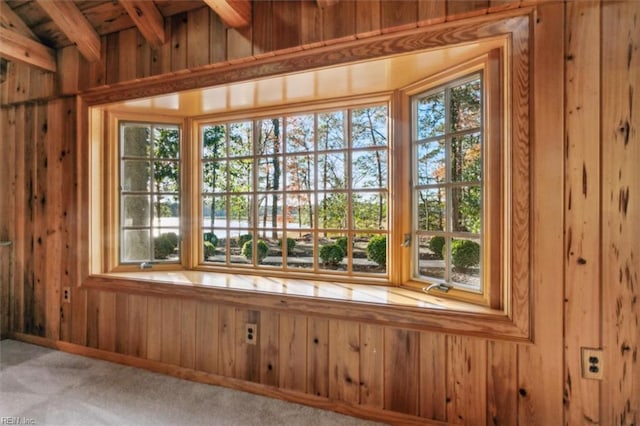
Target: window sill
[{"x": 391, "y": 306}]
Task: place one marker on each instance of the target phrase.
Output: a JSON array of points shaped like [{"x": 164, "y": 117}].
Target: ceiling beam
[
  {"x": 75, "y": 26},
  {"x": 11, "y": 21},
  {"x": 148, "y": 19},
  {"x": 234, "y": 13},
  {"x": 16, "y": 47}
]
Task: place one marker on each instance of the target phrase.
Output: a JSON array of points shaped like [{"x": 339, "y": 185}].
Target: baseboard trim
[{"x": 369, "y": 413}]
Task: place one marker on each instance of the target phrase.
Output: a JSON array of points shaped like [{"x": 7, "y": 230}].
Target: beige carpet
[{"x": 45, "y": 387}]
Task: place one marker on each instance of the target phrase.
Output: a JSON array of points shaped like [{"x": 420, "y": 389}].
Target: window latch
[
  {"x": 146, "y": 265},
  {"x": 441, "y": 287},
  {"x": 407, "y": 240}
]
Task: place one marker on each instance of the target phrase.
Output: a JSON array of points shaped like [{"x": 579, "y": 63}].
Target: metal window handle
[{"x": 442, "y": 287}]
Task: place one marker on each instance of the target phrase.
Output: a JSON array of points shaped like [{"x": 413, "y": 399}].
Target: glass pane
[
  {"x": 136, "y": 247},
  {"x": 332, "y": 252},
  {"x": 240, "y": 139},
  {"x": 166, "y": 210},
  {"x": 465, "y": 262},
  {"x": 369, "y": 210},
  {"x": 214, "y": 212},
  {"x": 238, "y": 239},
  {"x": 332, "y": 210},
  {"x": 431, "y": 209},
  {"x": 430, "y": 260},
  {"x": 270, "y": 137},
  {"x": 135, "y": 176},
  {"x": 136, "y": 140},
  {"x": 300, "y": 211},
  {"x": 431, "y": 163},
  {"x": 300, "y": 133},
  {"x": 240, "y": 211},
  {"x": 166, "y": 245},
  {"x": 331, "y": 131},
  {"x": 240, "y": 177},
  {"x": 300, "y": 173},
  {"x": 332, "y": 173},
  {"x": 465, "y": 106},
  {"x": 300, "y": 250},
  {"x": 270, "y": 211},
  {"x": 369, "y": 169},
  {"x": 166, "y": 143},
  {"x": 369, "y": 253},
  {"x": 467, "y": 209},
  {"x": 214, "y": 144},
  {"x": 466, "y": 158},
  {"x": 270, "y": 174},
  {"x": 430, "y": 113},
  {"x": 369, "y": 126},
  {"x": 214, "y": 176},
  {"x": 166, "y": 176},
  {"x": 268, "y": 249},
  {"x": 135, "y": 210},
  {"x": 214, "y": 245}
]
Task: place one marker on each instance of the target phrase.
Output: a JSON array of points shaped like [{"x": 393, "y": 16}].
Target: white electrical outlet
[
  {"x": 66, "y": 294},
  {"x": 592, "y": 364},
  {"x": 251, "y": 333}
]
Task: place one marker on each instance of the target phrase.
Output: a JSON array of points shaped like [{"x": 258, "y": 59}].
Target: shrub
[
  {"x": 209, "y": 249},
  {"x": 377, "y": 249},
  {"x": 291, "y": 244},
  {"x": 342, "y": 242},
  {"x": 465, "y": 253},
  {"x": 436, "y": 245},
  {"x": 164, "y": 245},
  {"x": 331, "y": 254},
  {"x": 263, "y": 249},
  {"x": 211, "y": 238},
  {"x": 242, "y": 239}
]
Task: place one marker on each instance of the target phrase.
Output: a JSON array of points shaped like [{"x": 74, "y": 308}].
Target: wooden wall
[{"x": 585, "y": 263}]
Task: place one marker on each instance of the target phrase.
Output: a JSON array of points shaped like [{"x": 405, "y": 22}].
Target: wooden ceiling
[{"x": 31, "y": 30}]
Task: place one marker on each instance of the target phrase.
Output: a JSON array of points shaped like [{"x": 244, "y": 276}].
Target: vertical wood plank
[
  {"x": 502, "y": 384},
  {"x": 39, "y": 219},
  {"x": 262, "y": 27},
  {"x": 338, "y": 21},
  {"x": 310, "y": 23},
  {"x": 143, "y": 57},
  {"x": 198, "y": 37},
  {"x": 26, "y": 133},
  {"x": 372, "y": 368},
  {"x": 7, "y": 218},
  {"x": 179, "y": 41},
  {"x": 98, "y": 69},
  {"x": 107, "y": 321},
  {"x": 293, "y": 352},
  {"x": 154, "y": 328},
  {"x": 127, "y": 54},
  {"x": 432, "y": 12},
  {"x": 137, "y": 326},
  {"x": 170, "y": 339},
  {"x": 621, "y": 212},
  {"x": 10, "y": 132},
  {"x": 188, "y": 333},
  {"x": 247, "y": 356},
  {"x": 218, "y": 42},
  {"x": 344, "y": 361},
  {"x": 269, "y": 329},
  {"x": 69, "y": 61},
  {"x": 465, "y": 9},
  {"x": 161, "y": 55},
  {"x": 582, "y": 201},
  {"x": 93, "y": 306},
  {"x": 122, "y": 326},
  {"x": 433, "y": 387},
  {"x": 227, "y": 341},
  {"x": 368, "y": 20},
  {"x": 540, "y": 395},
  {"x": 318, "y": 356},
  {"x": 286, "y": 24},
  {"x": 466, "y": 380},
  {"x": 239, "y": 43},
  {"x": 399, "y": 15},
  {"x": 206, "y": 337},
  {"x": 112, "y": 59},
  {"x": 401, "y": 383}
]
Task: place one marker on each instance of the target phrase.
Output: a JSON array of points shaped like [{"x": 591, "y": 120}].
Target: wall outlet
[
  {"x": 66, "y": 294},
  {"x": 592, "y": 365},
  {"x": 251, "y": 333}
]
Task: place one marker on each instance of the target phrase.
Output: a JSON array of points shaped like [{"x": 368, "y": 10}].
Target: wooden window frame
[{"x": 512, "y": 321}]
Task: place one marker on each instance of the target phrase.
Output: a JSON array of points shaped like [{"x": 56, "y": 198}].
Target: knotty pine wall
[{"x": 585, "y": 243}]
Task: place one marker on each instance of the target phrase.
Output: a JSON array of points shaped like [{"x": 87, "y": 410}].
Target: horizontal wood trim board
[
  {"x": 227, "y": 382},
  {"x": 309, "y": 57}
]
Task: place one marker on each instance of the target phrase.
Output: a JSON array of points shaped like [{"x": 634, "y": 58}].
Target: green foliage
[
  {"x": 331, "y": 254},
  {"x": 164, "y": 245},
  {"x": 291, "y": 244},
  {"x": 377, "y": 249},
  {"x": 242, "y": 239},
  {"x": 464, "y": 254},
  {"x": 263, "y": 249},
  {"x": 342, "y": 242},
  {"x": 209, "y": 249},
  {"x": 212, "y": 238},
  {"x": 436, "y": 245}
]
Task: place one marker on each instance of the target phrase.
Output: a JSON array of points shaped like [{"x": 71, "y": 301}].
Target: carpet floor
[{"x": 41, "y": 386}]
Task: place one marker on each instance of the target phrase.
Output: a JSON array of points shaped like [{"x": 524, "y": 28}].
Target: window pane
[
  {"x": 430, "y": 113},
  {"x": 430, "y": 256},
  {"x": 135, "y": 247},
  {"x": 270, "y": 173},
  {"x": 332, "y": 210},
  {"x": 135, "y": 175},
  {"x": 214, "y": 212},
  {"x": 369, "y": 210},
  {"x": 240, "y": 211},
  {"x": 369, "y": 169},
  {"x": 240, "y": 139},
  {"x": 166, "y": 176},
  {"x": 465, "y": 106},
  {"x": 270, "y": 211},
  {"x": 166, "y": 143},
  {"x": 467, "y": 209},
  {"x": 214, "y": 176},
  {"x": 369, "y": 126},
  {"x": 431, "y": 209},
  {"x": 270, "y": 137},
  {"x": 300, "y": 212},
  {"x": 332, "y": 252},
  {"x": 214, "y": 143},
  {"x": 332, "y": 173},
  {"x": 331, "y": 131},
  {"x": 166, "y": 245},
  {"x": 300, "y": 251},
  {"x": 466, "y": 159},
  {"x": 267, "y": 248},
  {"x": 240, "y": 177},
  {"x": 431, "y": 163},
  {"x": 238, "y": 240},
  {"x": 300, "y": 133},
  {"x": 214, "y": 245},
  {"x": 369, "y": 253},
  {"x": 135, "y": 210},
  {"x": 465, "y": 262},
  {"x": 166, "y": 210},
  {"x": 136, "y": 140},
  {"x": 300, "y": 172}
]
